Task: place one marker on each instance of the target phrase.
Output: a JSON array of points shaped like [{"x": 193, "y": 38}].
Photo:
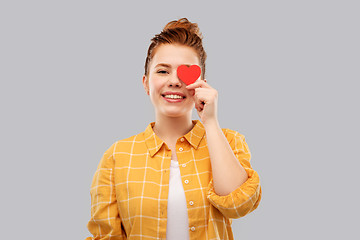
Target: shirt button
[
  {"x": 186, "y": 181},
  {"x": 191, "y": 203},
  {"x": 182, "y": 139},
  {"x": 192, "y": 228},
  {"x": 180, "y": 149},
  {"x": 184, "y": 165}
]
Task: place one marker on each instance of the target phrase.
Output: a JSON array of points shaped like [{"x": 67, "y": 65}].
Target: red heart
[{"x": 188, "y": 74}]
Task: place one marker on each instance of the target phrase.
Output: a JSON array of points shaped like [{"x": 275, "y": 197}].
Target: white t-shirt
[{"x": 177, "y": 227}]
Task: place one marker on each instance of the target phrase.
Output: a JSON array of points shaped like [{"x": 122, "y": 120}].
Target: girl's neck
[{"x": 170, "y": 128}]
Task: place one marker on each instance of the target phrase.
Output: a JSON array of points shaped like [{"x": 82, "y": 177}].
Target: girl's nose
[{"x": 174, "y": 80}]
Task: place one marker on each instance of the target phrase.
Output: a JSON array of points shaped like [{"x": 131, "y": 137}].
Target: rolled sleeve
[
  {"x": 105, "y": 221},
  {"x": 246, "y": 197}
]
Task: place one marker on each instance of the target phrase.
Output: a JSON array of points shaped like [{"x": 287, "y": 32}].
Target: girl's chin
[{"x": 176, "y": 113}]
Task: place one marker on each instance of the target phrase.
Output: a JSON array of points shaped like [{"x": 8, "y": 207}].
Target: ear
[{"x": 145, "y": 81}]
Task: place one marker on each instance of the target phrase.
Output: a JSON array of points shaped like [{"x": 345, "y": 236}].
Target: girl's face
[{"x": 167, "y": 92}]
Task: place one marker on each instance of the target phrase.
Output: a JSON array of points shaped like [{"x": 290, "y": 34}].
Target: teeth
[{"x": 174, "y": 96}]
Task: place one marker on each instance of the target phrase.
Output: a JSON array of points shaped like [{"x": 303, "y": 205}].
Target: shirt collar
[{"x": 154, "y": 143}]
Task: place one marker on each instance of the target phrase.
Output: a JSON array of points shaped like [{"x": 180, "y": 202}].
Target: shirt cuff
[{"x": 239, "y": 202}]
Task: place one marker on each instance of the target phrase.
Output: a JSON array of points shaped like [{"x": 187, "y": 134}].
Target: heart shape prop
[{"x": 188, "y": 74}]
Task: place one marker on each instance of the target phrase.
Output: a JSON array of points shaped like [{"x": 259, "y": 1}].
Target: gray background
[{"x": 287, "y": 73}]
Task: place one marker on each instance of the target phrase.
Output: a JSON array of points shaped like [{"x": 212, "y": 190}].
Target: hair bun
[
  {"x": 185, "y": 24},
  {"x": 181, "y": 32}
]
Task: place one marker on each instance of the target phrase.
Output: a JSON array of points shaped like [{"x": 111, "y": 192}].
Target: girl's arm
[{"x": 228, "y": 173}]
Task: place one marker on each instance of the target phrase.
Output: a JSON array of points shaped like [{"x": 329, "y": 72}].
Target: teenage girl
[{"x": 180, "y": 178}]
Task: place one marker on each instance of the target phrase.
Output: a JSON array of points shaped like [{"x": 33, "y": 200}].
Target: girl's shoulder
[{"x": 130, "y": 140}]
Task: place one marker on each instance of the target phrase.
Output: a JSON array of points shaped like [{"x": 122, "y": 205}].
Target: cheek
[
  {"x": 193, "y": 102},
  {"x": 154, "y": 90},
  {"x": 191, "y": 92},
  {"x": 155, "y": 85}
]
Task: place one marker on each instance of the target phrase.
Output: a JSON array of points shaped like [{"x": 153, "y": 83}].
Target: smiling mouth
[{"x": 171, "y": 96}]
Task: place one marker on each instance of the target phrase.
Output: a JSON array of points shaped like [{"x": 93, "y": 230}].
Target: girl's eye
[{"x": 162, "y": 71}]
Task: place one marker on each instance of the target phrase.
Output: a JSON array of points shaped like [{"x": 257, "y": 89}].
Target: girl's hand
[{"x": 205, "y": 98}]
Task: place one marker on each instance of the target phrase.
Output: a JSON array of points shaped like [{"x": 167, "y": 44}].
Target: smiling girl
[{"x": 180, "y": 178}]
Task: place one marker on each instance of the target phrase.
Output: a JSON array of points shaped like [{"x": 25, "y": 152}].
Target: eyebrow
[{"x": 168, "y": 65}]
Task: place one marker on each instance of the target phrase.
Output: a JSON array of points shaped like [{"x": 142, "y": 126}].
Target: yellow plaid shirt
[{"x": 129, "y": 191}]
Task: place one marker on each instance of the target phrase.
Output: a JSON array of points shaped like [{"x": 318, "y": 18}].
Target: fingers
[
  {"x": 201, "y": 83},
  {"x": 199, "y": 107},
  {"x": 199, "y": 104},
  {"x": 201, "y": 97},
  {"x": 202, "y": 93}
]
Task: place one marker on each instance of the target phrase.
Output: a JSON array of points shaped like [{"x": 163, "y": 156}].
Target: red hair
[{"x": 181, "y": 32}]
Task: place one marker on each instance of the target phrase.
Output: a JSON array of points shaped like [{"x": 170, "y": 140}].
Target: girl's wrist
[{"x": 211, "y": 124}]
